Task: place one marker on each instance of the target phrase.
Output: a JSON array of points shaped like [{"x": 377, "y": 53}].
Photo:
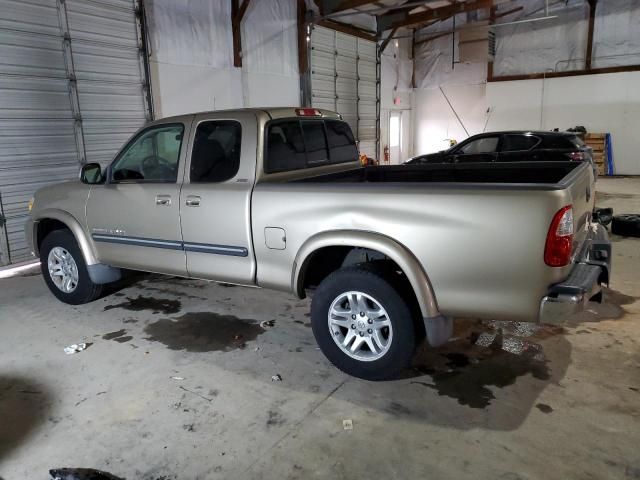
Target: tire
[
  {"x": 64, "y": 246},
  {"x": 395, "y": 343},
  {"x": 627, "y": 225}
]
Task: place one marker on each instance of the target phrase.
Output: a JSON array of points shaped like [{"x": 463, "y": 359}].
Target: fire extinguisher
[{"x": 386, "y": 154}]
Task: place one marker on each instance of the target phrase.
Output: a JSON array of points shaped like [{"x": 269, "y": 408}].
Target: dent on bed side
[{"x": 389, "y": 247}]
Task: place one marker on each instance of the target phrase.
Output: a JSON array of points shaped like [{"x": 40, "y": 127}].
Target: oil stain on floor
[
  {"x": 204, "y": 332},
  {"x": 469, "y": 382},
  {"x": 155, "y": 305}
]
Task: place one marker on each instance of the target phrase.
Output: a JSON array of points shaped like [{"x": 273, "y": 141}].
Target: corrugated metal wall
[
  {"x": 72, "y": 89},
  {"x": 344, "y": 78}
]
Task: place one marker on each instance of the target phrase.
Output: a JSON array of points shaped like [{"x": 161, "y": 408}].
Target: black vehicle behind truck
[{"x": 512, "y": 146}]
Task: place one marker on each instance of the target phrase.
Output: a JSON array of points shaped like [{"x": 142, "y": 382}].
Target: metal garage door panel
[
  {"x": 106, "y": 63},
  {"x": 347, "y": 89},
  {"x": 323, "y": 63},
  {"x": 36, "y": 16},
  {"x": 367, "y": 91},
  {"x": 367, "y": 128},
  {"x": 100, "y": 101},
  {"x": 23, "y": 97},
  {"x": 323, "y": 86},
  {"x": 326, "y": 103},
  {"x": 103, "y": 21},
  {"x": 346, "y": 67},
  {"x": 27, "y": 144},
  {"x": 22, "y": 53},
  {"x": 367, "y": 70},
  {"x": 346, "y": 45},
  {"x": 367, "y": 50},
  {"x": 323, "y": 39}
]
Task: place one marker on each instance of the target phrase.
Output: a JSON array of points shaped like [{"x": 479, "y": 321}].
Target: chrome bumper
[{"x": 584, "y": 283}]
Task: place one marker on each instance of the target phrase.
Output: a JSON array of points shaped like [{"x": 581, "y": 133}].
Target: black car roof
[{"x": 539, "y": 133}]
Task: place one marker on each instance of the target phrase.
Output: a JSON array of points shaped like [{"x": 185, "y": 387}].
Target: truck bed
[{"x": 543, "y": 173}]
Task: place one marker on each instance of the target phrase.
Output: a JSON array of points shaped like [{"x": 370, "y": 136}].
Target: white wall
[
  {"x": 436, "y": 122},
  {"x": 602, "y": 103},
  {"x": 192, "y": 56}
]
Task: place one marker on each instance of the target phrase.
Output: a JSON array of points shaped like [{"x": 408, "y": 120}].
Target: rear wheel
[
  {"x": 362, "y": 325},
  {"x": 64, "y": 269}
]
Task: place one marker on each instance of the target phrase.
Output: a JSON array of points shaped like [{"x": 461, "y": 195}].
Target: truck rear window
[{"x": 296, "y": 144}]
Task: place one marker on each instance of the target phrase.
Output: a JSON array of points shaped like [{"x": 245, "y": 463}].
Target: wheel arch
[
  {"x": 347, "y": 240},
  {"x": 54, "y": 219}
]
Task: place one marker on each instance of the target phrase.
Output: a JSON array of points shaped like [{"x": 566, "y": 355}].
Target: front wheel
[
  {"x": 362, "y": 325},
  {"x": 64, "y": 269}
]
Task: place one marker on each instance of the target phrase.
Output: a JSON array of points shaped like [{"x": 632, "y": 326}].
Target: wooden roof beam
[{"x": 404, "y": 19}]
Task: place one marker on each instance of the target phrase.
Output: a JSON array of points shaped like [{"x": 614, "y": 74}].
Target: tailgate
[{"x": 581, "y": 186}]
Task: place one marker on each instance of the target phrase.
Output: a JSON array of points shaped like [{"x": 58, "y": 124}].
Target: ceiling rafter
[{"x": 403, "y": 19}]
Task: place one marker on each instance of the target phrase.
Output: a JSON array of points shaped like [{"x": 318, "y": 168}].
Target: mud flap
[{"x": 439, "y": 330}]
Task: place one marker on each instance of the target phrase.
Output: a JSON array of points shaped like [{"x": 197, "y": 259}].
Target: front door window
[{"x": 152, "y": 157}]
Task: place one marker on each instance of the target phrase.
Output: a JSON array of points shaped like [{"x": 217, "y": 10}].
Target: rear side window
[
  {"x": 481, "y": 145},
  {"x": 512, "y": 143},
  {"x": 216, "y": 151},
  {"x": 562, "y": 142},
  {"x": 342, "y": 145},
  {"x": 296, "y": 144}
]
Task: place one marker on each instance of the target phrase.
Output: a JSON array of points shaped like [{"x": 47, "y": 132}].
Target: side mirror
[{"x": 91, "y": 173}]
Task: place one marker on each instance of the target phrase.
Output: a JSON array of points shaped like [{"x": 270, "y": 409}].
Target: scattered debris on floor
[
  {"x": 177, "y": 378},
  {"x": 76, "y": 348},
  {"x": 267, "y": 324},
  {"x": 544, "y": 408},
  {"x": 81, "y": 474},
  {"x": 276, "y": 378},
  {"x": 347, "y": 424}
]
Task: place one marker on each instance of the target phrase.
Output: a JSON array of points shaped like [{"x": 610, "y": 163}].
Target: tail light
[
  {"x": 576, "y": 156},
  {"x": 557, "y": 250}
]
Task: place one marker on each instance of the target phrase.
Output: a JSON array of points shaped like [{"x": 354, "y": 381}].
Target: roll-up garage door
[
  {"x": 345, "y": 78},
  {"x": 73, "y": 88}
]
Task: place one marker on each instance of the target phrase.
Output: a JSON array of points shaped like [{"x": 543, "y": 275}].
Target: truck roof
[{"x": 273, "y": 112}]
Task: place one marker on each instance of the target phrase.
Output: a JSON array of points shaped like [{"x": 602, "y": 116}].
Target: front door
[
  {"x": 134, "y": 217},
  {"x": 215, "y": 203}
]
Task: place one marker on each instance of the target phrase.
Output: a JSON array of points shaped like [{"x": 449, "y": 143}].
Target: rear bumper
[{"x": 590, "y": 271}]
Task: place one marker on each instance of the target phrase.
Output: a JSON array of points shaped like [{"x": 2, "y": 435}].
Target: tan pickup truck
[{"x": 276, "y": 198}]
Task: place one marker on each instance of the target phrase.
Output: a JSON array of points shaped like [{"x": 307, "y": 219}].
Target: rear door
[
  {"x": 516, "y": 147},
  {"x": 483, "y": 149},
  {"x": 215, "y": 202}
]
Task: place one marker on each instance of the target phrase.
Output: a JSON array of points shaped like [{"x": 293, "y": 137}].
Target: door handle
[
  {"x": 163, "y": 200},
  {"x": 193, "y": 201}
]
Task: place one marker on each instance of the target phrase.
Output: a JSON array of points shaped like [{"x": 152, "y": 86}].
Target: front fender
[
  {"x": 84, "y": 242},
  {"x": 374, "y": 241}
]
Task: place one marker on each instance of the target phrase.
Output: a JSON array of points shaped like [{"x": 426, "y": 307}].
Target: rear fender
[{"x": 387, "y": 246}]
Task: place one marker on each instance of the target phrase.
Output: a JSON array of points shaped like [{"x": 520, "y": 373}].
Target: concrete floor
[{"x": 177, "y": 384}]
